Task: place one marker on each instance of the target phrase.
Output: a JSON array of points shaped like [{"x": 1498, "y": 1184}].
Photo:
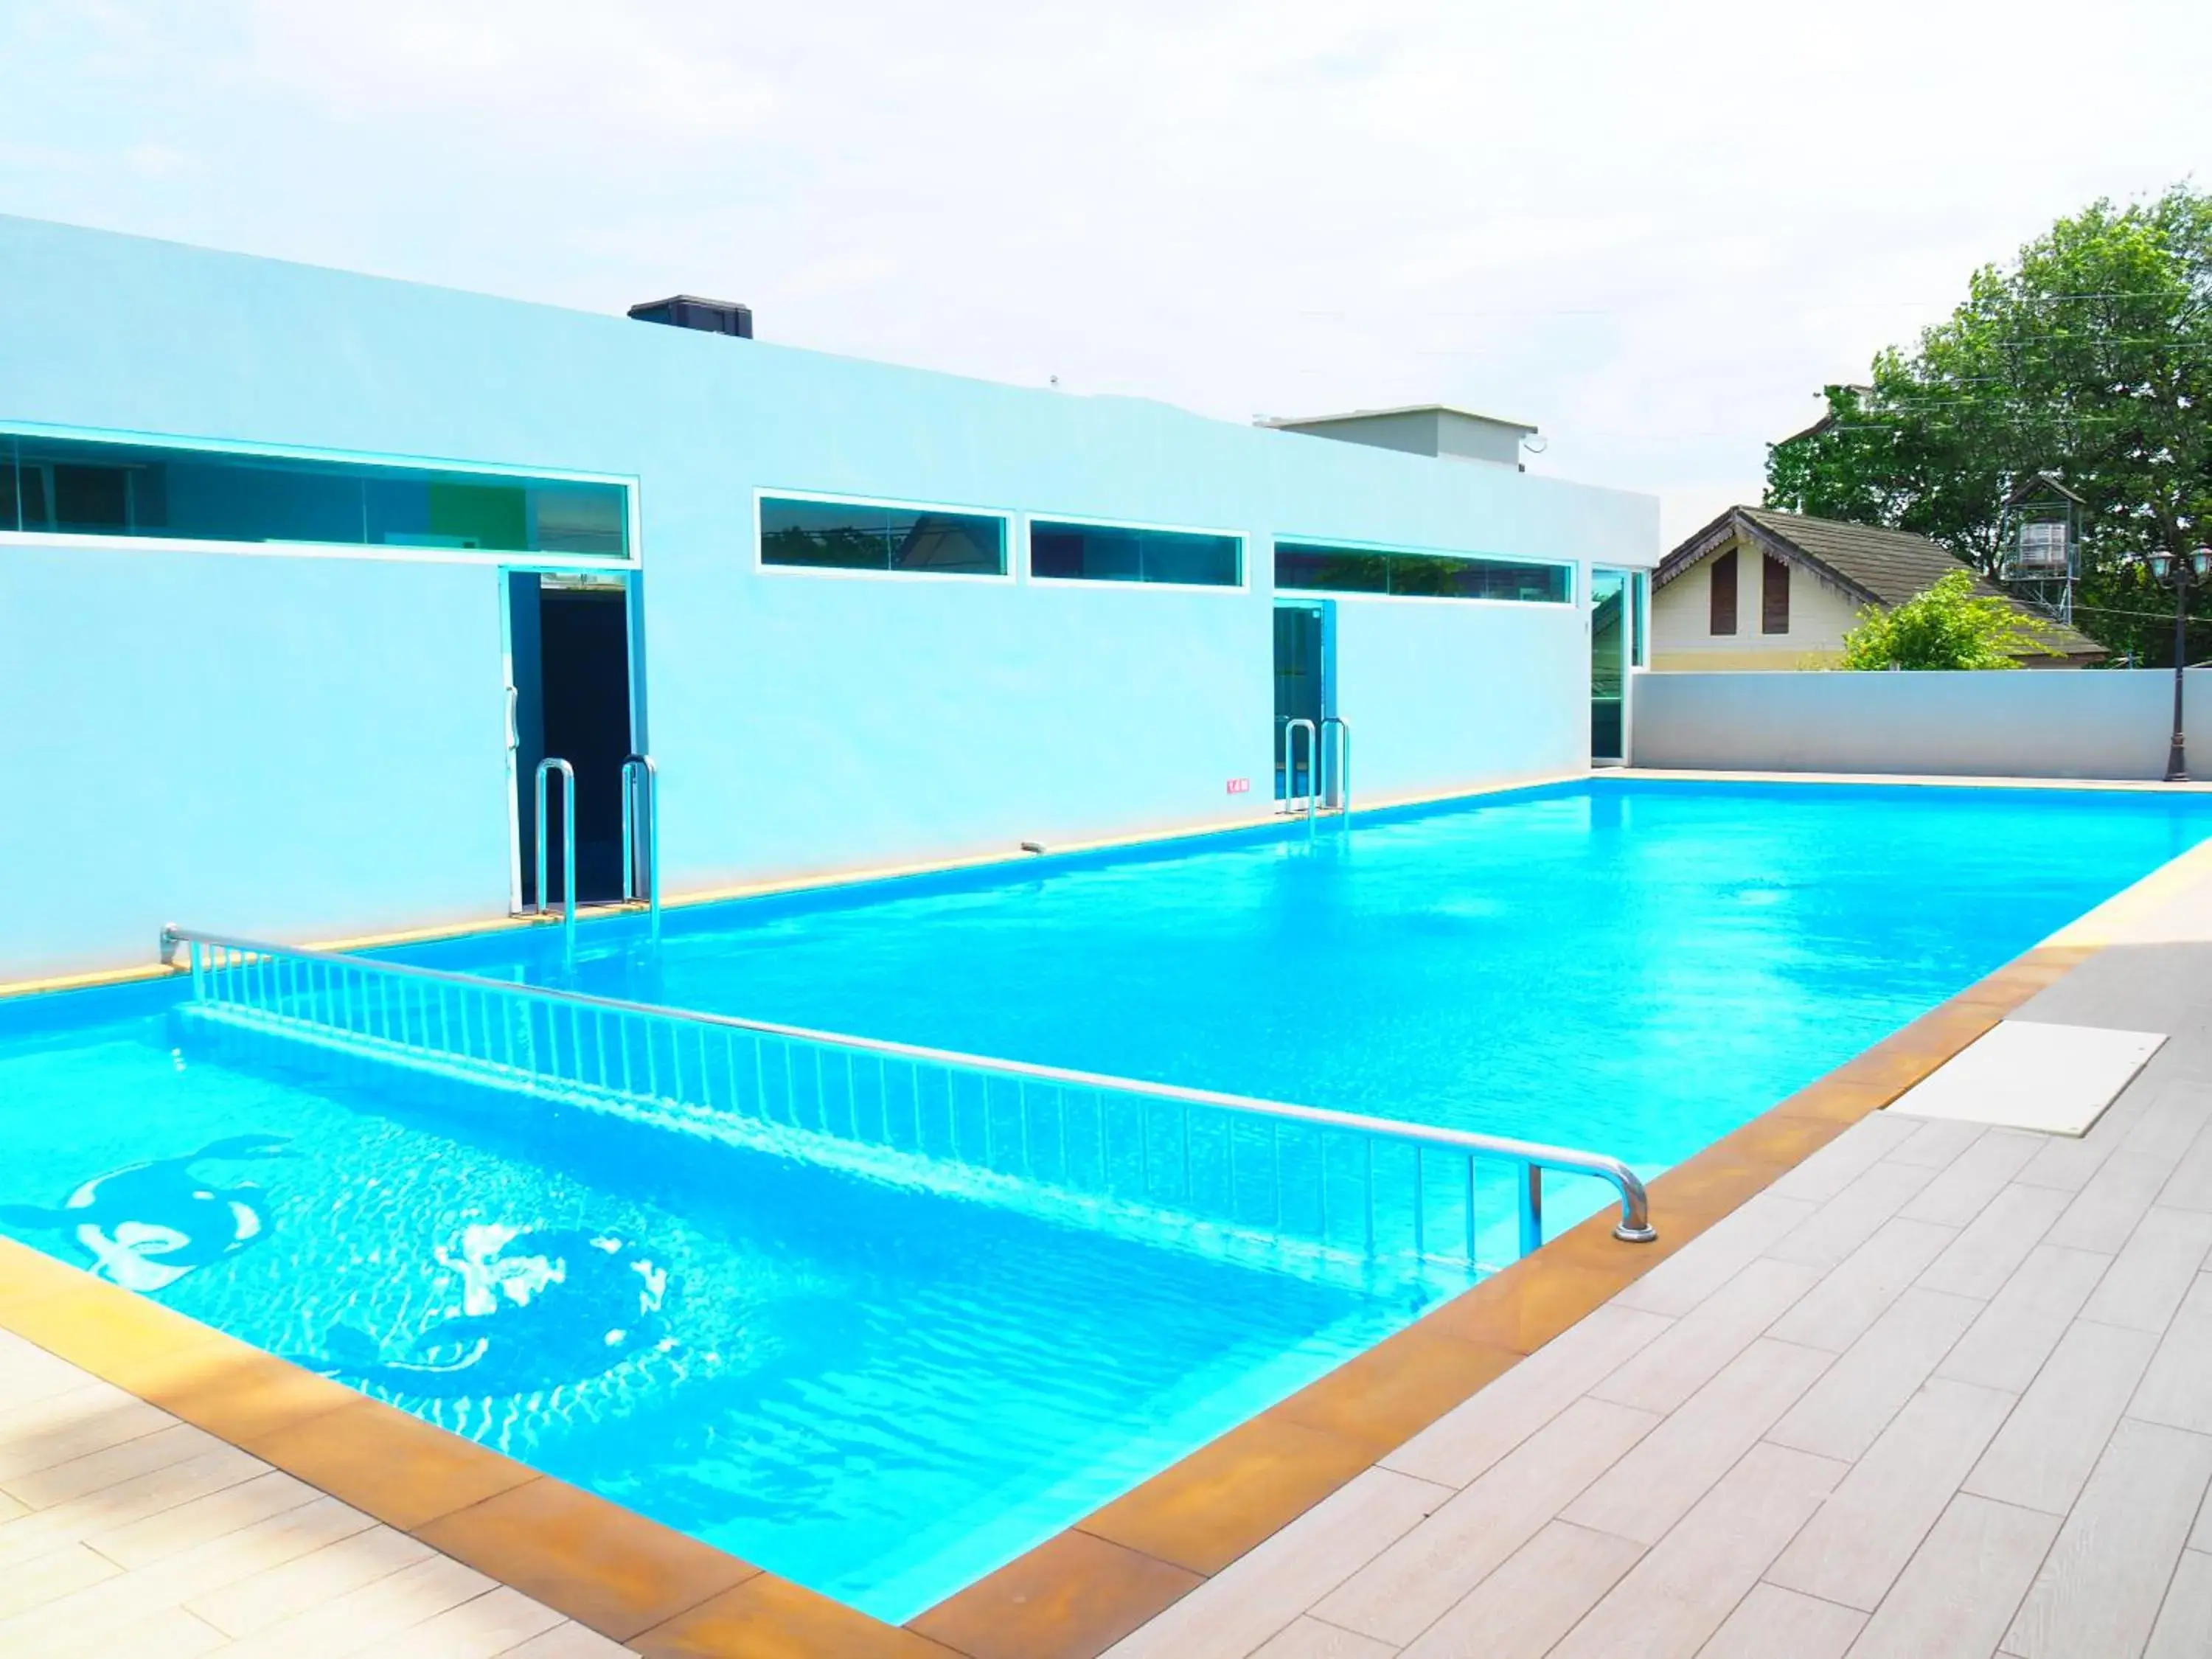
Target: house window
[
  {"x": 1306, "y": 567},
  {"x": 831, "y": 535},
  {"x": 1724, "y": 610},
  {"x": 1774, "y": 596},
  {"x": 1114, "y": 553},
  {"x": 172, "y": 491}
]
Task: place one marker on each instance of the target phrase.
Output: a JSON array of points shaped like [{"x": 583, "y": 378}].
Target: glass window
[
  {"x": 1111, "y": 553},
  {"x": 851, "y": 536},
  {"x": 1300, "y": 565},
  {"x": 80, "y": 487}
]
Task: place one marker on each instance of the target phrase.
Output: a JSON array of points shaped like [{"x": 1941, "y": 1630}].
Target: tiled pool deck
[{"x": 1884, "y": 1387}]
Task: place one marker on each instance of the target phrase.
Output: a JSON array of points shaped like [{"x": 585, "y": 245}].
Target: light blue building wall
[{"x": 306, "y": 745}]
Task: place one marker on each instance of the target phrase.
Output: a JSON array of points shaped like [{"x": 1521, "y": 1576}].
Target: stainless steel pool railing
[
  {"x": 1290, "y": 765},
  {"x": 1339, "y": 1179},
  {"x": 1342, "y": 770},
  {"x": 568, "y": 846},
  {"x": 641, "y": 793}
]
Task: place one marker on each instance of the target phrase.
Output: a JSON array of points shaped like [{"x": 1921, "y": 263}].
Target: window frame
[
  {"x": 381, "y": 552},
  {"x": 1576, "y": 597},
  {"x": 1768, "y": 588},
  {"x": 761, "y": 567},
  {"x": 1734, "y": 607},
  {"x": 1091, "y": 584}
]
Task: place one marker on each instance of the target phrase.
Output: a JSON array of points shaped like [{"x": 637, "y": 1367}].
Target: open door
[
  {"x": 568, "y": 651},
  {"x": 1301, "y": 692}
]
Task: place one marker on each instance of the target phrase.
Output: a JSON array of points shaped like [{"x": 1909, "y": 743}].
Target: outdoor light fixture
[{"x": 2164, "y": 566}]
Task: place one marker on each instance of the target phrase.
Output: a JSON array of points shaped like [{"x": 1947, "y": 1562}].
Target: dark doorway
[
  {"x": 569, "y": 640},
  {"x": 1301, "y": 693}
]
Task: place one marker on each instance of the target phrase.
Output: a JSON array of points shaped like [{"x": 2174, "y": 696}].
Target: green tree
[
  {"x": 2090, "y": 358},
  {"x": 1947, "y": 626}
]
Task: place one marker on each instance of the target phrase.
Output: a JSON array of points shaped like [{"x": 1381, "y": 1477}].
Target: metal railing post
[
  {"x": 1343, "y": 751},
  {"x": 1290, "y": 762},
  {"x": 642, "y": 782},
  {"x": 552, "y": 764},
  {"x": 1531, "y": 1207},
  {"x": 1633, "y": 1226}
]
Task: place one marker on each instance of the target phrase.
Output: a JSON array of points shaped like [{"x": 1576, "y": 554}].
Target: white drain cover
[{"x": 2022, "y": 1075}]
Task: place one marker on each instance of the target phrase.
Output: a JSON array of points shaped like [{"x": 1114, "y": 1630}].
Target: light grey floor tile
[
  {"x": 28, "y": 1373},
  {"x": 1309, "y": 1638},
  {"x": 2185, "y": 1619},
  {"x": 1468, "y": 1439},
  {"x": 1994, "y": 1244},
  {"x": 1957, "y": 1597},
  {"x": 1688, "y": 1584},
  {"x": 1853, "y": 1551},
  {"x": 2177, "y": 1389},
  {"x": 1843, "y": 1412},
  {"x": 1771, "y": 1623},
  {"x": 1835, "y": 1312},
  {"x": 1525, "y": 1606},
  {"x": 1240, "y": 1607},
  {"x": 2154, "y": 1272},
  {"x": 569, "y": 1641},
  {"x": 2042, "y": 1455},
  {"x": 2190, "y": 1186},
  {"x": 94, "y": 1471},
  {"x": 1408, "y": 1586},
  {"x": 62, "y": 1427},
  {"x": 2106, "y": 1211},
  {"x": 1715, "y": 1256},
  {"x": 1679, "y": 1362},
  {"x": 2100, "y": 1587},
  {"x": 1852, "y": 1216},
  {"x": 1846, "y": 1158},
  {"x": 1964, "y": 1190},
  {"x": 2008, "y": 1345},
  {"x": 2176, "y": 1109},
  {"x": 2066, "y": 1163},
  {"x": 1657, "y": 1482},
  {"x": 1937, "y": 1144}
]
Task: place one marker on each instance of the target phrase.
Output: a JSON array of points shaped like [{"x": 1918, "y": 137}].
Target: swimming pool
[{"x": 882, "y": 1391}]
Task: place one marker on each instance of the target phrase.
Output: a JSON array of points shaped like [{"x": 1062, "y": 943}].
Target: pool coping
[
  {"x": 1077, "y": 1593},
  {"x": 811, "y": 881},
  {"x": 830, "y": 880}
]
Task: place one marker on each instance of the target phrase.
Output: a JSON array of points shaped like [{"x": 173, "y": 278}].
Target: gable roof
[{"x": 1872, "y": 565}]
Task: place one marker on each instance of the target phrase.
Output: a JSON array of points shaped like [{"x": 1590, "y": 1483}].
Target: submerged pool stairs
[{"x": 1244, "y": 1172}]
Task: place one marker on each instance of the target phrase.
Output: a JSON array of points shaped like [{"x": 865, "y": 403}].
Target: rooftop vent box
[
  {"x": 1457, "y": 434},
  {"x": 689, "y": 311}
]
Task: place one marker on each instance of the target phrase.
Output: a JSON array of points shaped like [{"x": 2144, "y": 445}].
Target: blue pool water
[{"x": 882, "y": 1392}]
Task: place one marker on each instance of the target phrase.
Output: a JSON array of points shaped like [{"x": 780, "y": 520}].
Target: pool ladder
[
  {"x": 641, "y": 781},
  {"x": 1319, "y": 769},
  {"x": 641, "y": 854}
]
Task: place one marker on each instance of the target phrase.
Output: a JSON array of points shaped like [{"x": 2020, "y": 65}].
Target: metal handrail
[
  {"x": 1634, "y": 1226},
  {"x": 641, "y": 779},
  {"x": 553, "y": 764},
  {"x": 1290, "y": 762},
  {"x": 1343, "y": 768}
]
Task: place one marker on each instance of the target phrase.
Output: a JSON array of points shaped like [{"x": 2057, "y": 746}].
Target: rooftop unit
[
  {"x": 689, "y": 311},
  {"x": 1438, "y": 429}
]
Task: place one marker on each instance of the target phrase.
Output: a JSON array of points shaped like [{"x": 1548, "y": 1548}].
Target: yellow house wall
[{"x": 1681, "y": 612}]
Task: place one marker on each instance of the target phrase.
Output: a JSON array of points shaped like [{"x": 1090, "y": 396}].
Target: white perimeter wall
[
  {"x": 2101, "y": 723},
  {"x": 299, "y": 746}
]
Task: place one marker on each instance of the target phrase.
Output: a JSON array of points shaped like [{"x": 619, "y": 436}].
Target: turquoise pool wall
[{"x": 309, "y": 747}]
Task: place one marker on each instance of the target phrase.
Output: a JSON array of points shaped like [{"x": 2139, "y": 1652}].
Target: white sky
[{"x": 1653, "y": 229}]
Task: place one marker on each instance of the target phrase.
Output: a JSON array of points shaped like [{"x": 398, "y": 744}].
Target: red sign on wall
[{"x": 1240, "y": 786}]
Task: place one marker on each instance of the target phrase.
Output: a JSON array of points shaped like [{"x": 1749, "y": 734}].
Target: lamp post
[{"x": 2166, "y": 566}]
